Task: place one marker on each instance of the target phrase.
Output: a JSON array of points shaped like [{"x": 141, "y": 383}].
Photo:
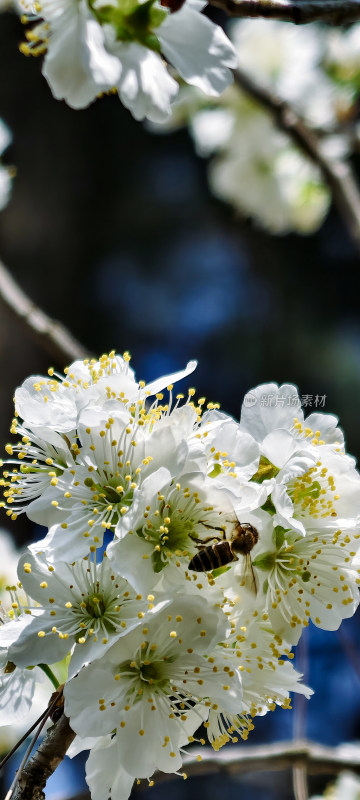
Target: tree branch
[
  {"x": 299, "y": 776},
  {"x": 52, "y": 335},
  {"x": 337, "y": 174},
  {"x": 47, "y": 757},
  {"x": 300, "y": 12}
]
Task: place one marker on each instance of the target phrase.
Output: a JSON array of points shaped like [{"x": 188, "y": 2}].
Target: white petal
[
  {"x": 104, "y": 775},
  {"x": 145, "y": 86},
  {"x": 77, "y": 65},
  {"x": 161, "y": 383},
  {"x": 5, "y": 136},
  {"x": 269, "y": 407},
  {"x": 16, "y": 694},
  {"x": 5, "y": 187},
  {"x": 198, "y": 49}
]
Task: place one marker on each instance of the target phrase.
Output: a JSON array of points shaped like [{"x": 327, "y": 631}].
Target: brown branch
[
  {"x": 299, "y": 775},
  {"x": 300, "y": 12},
  {"x": 52, "y": 335},
  {"x": 47, "y": 757},
  {"x": 337, "y": 174}
]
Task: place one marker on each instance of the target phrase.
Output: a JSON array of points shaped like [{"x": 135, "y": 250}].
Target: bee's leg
[
  {"x": 214, "y": 528},
  {"x": 210, "y": 539}
]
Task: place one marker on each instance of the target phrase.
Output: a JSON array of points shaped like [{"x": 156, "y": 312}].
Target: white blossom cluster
[
  {"x": 256, "y": 167},
  {"x": 184, "y": 554},
  {"x": 14, "y": 725},
  {"x": 93, "y": 47}
]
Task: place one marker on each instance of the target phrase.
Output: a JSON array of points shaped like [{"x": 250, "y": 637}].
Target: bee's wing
[{"x": 248, "y": 577}]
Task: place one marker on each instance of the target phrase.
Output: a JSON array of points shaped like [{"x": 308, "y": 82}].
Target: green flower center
[
  {"x": 147, "y": 671},
  {"x": 133, "y": 21},
  {"x": 314, "y": 493},
  {"x": 170, "y": 536}
]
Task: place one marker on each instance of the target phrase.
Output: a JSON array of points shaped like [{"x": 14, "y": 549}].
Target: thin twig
[
  {"x": 54, "y": 337},
  {"x": 337, "y": 174},
  {"x": 300, "y": 12},
  {"x": 51, "y": 707},
  {"x": 43, "y": 763},
  {"x": 18, "y": 744},
  {"x": 299, "y": 774}
]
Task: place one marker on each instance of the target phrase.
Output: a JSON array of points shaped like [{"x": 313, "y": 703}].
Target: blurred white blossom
[
  {"x": 253, "y": 165},
  {"x": 5, "y": 173},
  {"x": 346, "y": 787}
]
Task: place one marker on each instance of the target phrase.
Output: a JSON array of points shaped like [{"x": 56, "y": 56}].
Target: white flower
[
  {"x": 42, "y": 454},
  {"x": 266, "y": 178},
  {"x": 308, "y": 577},
  {"x": 307, "y": 497},
  {"x": 76, "y": 66},
  {"x": 346, "y": 787},
  {"x": 148, "y": 686},
  {"x": 288, "y": 59},
  {"x": 232, "y": 455},
  {"x": 83, "y": 608},
  {"x": 211, "y": 129},
  {"x": 267, "y": 674},
  {"x": 55, "y": 402},
  {"x": 270, "y": 407},
  {"x": 283, "y": 56},
  {"x": 168, "y": 522},
  {"x": 117, "y": 453},
  {"x": 98, "y": 47},
  {"x": 51, "y": 409},
  {"x": 307, "y": 473}
]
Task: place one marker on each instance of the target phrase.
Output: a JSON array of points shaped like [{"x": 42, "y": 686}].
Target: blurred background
[{"x": 112, "y": 230}]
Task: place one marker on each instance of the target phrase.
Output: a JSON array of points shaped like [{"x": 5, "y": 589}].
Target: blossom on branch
[
  {"x": 184, "y": 553},
  {"x": 96, "y": 47}
]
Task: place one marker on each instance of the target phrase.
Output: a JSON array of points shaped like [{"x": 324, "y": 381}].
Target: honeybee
[{"x": 243, "y": 538}]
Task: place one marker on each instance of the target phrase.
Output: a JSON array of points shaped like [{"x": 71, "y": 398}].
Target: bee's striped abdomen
[{"x": 209, "y": 558}]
